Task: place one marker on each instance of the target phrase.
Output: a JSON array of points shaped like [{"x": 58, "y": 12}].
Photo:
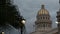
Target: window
[
  {"x": 43, "y": 17},
  {"x": 46, "y": 17},
  {"x": 43, "y": 25}
]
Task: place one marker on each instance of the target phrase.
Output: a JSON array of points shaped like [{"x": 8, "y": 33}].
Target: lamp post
[
  {"x": 58, "y": 27},
  {"x": 2, "y": 32},
  {"x": 58, "y": 24},
  {"x": 22, "y": 25}
]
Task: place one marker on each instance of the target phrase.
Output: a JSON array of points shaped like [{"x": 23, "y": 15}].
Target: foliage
[{"x": 9, "y": 14}]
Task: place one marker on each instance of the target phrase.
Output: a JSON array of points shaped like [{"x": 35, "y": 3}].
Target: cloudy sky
[{"x": 29, "y": 9}]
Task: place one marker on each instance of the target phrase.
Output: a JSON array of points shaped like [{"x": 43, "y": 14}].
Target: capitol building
[{"x": 43, "y": 23}]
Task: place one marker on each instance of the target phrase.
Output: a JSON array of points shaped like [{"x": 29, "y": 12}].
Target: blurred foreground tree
[{"x": 9, "y": 13}]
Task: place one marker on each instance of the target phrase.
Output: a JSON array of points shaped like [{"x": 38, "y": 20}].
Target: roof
[{"x": 43, "y": 10}]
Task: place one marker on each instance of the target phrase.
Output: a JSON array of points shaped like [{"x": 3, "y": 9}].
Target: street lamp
[
  {"x": 58, "y": 27},
  {"x": 23, "y": 21},
  {"x": 3, "y": 33},
  {"x": 56, "y": 22}
]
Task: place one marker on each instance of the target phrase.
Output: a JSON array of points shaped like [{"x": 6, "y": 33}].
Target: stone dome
[{"x": 43, "y": 10}]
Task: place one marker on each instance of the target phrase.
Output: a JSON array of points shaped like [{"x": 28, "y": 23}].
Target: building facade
[
  {"x": 43, "y": 22},
  {"x": 58, "y": 19}
]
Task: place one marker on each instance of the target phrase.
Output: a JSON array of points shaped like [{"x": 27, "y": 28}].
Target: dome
[{"x": 43, "y": 10}]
